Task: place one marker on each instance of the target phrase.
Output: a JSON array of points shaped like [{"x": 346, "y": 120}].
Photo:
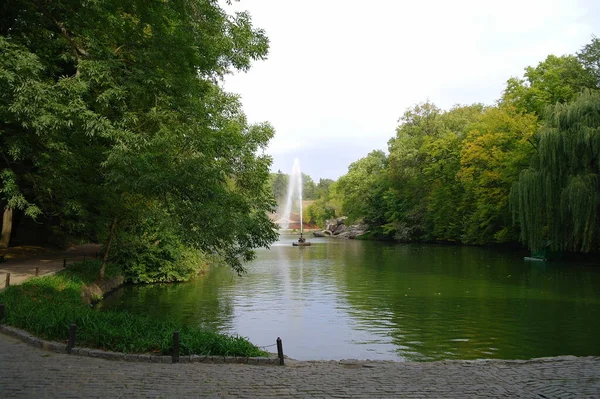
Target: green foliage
[
  {"x": 496, "y": 149},
  {"x": 453, "y": 175},
  {"x": 589, "y": 57},
  {"x": 309, "y": 188},
  {"x": 556, "y": 199},
  {"x": 46, "y": 307},
  {"x": 425, "y": 196},
  {"x": 279, "y": 185},
  {"x": 554, "y": 80},
  {"x": 113, "y": 109},
  {"x": 361, "y": 188}
]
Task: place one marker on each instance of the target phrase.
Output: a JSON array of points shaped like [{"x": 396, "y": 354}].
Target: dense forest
[
  {"x": 525, "y": 169},
  {"x": 114, "y": 128}
]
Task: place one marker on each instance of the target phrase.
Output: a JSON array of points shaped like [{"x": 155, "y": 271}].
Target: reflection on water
[{"x": 352, "y": 299}]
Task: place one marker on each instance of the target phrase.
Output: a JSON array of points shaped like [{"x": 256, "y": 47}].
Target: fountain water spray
[{"x": 294, "y": 188}]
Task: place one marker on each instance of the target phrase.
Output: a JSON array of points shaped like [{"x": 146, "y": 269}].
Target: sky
[{"x": 340, "y": 73}]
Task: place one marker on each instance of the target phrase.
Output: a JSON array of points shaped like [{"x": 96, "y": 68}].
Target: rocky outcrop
[{"x": 338, "y": 228}]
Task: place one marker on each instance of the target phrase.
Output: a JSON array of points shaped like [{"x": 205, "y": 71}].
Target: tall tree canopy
[
  {"x": 557, "y": 199},
  {"x": 554, "y": 80},
  {"x": 113, "y": 124}
]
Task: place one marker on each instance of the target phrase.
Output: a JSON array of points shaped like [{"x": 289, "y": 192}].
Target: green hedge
[{"x": 46, "y": 306}]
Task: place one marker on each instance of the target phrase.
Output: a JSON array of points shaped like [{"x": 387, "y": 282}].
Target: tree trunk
[
  {"x": 6, "y": 227},
  {"x": 111, "y": 235}
]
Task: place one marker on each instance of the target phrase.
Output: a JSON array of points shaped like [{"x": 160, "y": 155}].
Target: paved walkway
[
  {"x": 28, "y": 372},
  {"x": 47, "y": 262}
]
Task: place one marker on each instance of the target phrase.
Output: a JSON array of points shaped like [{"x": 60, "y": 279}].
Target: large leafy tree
[
  {"x": 495, "y": 150},
  {"x": 554, "y": 80},
  {"x": 589, "y": 57},
  {"x": 111, "y": 109},
  {"x": 557, "y": 199},
  {"x": 361, "y": 189}
]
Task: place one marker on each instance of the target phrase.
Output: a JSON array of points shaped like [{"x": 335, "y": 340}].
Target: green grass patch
[{"x": 46, "y": 306}]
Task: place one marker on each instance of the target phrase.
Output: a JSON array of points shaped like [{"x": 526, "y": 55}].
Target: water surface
[{"x": 341, "y": 299}]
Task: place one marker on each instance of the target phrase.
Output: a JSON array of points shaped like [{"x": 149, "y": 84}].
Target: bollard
[
  {"x": 71, "y": 342},
  {"x": 175, "y": 355},
  {"x": 280, "y": 351},
  {"x": 37, "y": 271},
  {"x": 64, "y": 262},
  {"x": 7, "y": 280},
  {"x": 83, "y": 259},
  {"x": 1, "y": 311}
]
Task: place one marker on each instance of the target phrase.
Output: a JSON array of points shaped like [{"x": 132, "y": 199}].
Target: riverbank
[
  {"x": 27, "y": 372},
  {"x": 45, "y": 306}
]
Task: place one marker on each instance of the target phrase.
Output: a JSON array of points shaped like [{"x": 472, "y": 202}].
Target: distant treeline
[
  {"x": 279, "y": 183},
  {"x": 526, "y": 168}
]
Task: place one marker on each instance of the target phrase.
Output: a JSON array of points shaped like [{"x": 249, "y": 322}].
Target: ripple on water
[{"x": 351, "y": 299}]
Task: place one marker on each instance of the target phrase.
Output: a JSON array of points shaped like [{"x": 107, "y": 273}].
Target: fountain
[{"x": 294, "y": 187}]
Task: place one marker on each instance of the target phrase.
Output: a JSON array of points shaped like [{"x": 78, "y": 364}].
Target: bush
[
  {"x": 156, "y": 256},
  {"x": 46, "y": 306}
]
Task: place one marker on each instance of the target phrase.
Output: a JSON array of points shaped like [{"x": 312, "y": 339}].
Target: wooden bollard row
[{"x": 174, "y": 355}]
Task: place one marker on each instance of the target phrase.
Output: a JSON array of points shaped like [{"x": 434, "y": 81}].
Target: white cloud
[{"x": 342, "y": 72}]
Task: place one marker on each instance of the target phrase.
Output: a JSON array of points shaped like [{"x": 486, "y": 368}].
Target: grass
[{"x": 46, "y": 306}]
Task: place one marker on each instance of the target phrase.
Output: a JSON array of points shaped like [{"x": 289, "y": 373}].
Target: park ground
[{"x": 30, "y": 372}]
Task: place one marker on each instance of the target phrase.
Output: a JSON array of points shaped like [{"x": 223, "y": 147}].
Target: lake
[{"x": 349, "y": 299}]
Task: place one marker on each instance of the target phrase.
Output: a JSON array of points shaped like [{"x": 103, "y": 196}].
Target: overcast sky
[{"x": 341, "y": 72}]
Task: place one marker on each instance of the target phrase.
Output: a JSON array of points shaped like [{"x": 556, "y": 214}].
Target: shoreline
[{"x": 60, "y": 347}]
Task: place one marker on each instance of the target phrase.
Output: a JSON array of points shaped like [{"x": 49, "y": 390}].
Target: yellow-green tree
[{"x": 494, "y": 152}]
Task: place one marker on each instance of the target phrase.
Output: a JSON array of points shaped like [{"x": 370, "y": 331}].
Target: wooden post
[
  {"x": 71, "y": 343},
  {"x": 175, "y": 347},
  {"x": 64, "y": 262},
  {"x": 83, "y": 259},
  {"x": 7, "y": 280},
  {"x": 1, "y": 311},
  {"x": 280, "y": 351},
  {"x": 37, "y": 271}
]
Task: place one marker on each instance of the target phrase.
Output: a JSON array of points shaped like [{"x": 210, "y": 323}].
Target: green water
[{"x": 341, "y": 299}]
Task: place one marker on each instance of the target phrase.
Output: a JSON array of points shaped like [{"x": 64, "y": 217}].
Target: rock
[
  {"x": 322, "y": 233},
  {"x": 338, "y": 228},
  {"x": 333, "y": 224}
]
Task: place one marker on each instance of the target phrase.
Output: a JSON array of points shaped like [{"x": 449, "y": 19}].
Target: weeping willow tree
[{"x": 556, "y": 200}]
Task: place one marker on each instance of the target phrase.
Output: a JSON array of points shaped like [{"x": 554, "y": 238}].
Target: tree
[
  {"x": 589, "y": 57},
  {"x": 112, "y": 110},
  {"x": 494, "y": 152},
  {"x": 279, "y": 184},
  {"x": 308, "y": 187},
  {"x": 554, "y": 80},
  {"x": 360, "y": 188},
  {"x": 556, "y": 201}
]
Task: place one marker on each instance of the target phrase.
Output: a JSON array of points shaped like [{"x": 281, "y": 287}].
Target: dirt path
[{"x": 23, "y": 265}]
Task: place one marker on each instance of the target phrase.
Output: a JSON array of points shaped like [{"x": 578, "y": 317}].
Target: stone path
[
  {"x": 47, "y": 262},
  {"x": 28, "y": 372}
]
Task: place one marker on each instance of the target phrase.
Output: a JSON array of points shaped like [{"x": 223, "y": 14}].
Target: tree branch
[{"x": 77, "y": 51}]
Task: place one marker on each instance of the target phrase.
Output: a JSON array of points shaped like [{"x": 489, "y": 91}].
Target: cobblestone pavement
[{"x": 28, "y": 372}]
